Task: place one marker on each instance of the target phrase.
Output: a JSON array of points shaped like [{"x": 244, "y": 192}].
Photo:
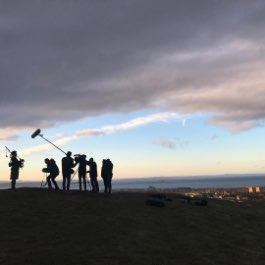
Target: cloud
[
  {"x": 172, "y": 143},
  {"x": 8, "y": 134},
  {"x": 214, "y": 137},
  {"x": 66, "y": 60},
  {"x": 166, "y": 143},
  {"x": 135, "y": 123},
  {"x": 108, "y": 129}
]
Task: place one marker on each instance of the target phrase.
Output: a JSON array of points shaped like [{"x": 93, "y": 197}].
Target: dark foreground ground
[{"x": 41, "y": 227}]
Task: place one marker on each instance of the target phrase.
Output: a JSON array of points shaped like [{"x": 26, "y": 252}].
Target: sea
[{"x": 194, "y": 182}]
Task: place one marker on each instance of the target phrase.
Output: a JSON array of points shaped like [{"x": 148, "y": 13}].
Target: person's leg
[
  {"x": 64, "y": 180},
  {"x": 13, "y": 184},
  {"x": 92, "y": 184},
  {"x": 49, "y": 182},
  {"x": 105, "y": 185},
  {"x": 84, "y": 181},
  {"x": 55, "y": 183},
  {"x": 80, "y": 183},
  {"x": 68, "y": 182},
  {"x": 110, "y": 185},
  {"x": 96, "y": 185},
  {"x": 13, "y": 177}
]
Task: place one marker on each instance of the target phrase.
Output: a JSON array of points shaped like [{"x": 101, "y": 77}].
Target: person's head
[
  {"x": 47, "y": 160},
  {"x": 69, "y": 154},
  {"x": 91, "y": 159},
  {"x": 14, "y": 153}
]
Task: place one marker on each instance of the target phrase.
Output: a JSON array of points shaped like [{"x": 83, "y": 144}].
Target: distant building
[
  {"x": 257, "y": 190},
  {"x": 250, "y": 189}
]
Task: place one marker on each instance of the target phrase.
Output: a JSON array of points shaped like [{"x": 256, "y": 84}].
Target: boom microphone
[{"x": 36, "y": 133}]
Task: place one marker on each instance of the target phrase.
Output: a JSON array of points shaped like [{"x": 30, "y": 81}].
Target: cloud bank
[{"x": 65, "y": 60}]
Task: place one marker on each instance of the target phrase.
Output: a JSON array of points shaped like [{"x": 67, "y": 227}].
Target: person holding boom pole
[{"x": 15, "y": 165}]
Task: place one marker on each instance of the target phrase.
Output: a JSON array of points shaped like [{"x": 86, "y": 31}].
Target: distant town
[{"x": 228, "y": 194}]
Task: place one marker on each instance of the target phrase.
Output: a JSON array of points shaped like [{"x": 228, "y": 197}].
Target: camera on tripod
[{"x": 79, "y": 158}]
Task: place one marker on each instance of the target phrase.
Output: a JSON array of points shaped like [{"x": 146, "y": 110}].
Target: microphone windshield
[{"x": 36, "y": 133}]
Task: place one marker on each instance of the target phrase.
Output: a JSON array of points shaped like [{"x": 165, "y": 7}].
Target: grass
[{"x": 47, "y": 227}]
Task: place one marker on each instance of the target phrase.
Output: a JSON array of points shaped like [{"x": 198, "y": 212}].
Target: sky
[{"x": 162, "y": 88}]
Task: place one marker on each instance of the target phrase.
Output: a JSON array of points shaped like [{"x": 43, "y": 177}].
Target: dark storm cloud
[{"x": 64, "y": 60}]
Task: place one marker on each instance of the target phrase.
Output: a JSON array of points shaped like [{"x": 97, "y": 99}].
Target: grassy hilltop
[{"x": 46, "y": 227}]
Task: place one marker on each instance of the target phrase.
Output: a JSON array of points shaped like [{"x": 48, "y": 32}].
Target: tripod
[
  {"x": 43, "y": 184},
  {"x": 86, "y": 179},
  {"x": 88, "y": 182}
]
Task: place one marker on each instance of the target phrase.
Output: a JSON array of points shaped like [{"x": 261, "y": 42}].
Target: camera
[
  {"x": 45, "y": 170},
  {"x": 79, "y": 158}
]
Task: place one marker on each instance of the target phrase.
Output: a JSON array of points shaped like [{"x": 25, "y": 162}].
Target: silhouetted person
[
  {"x": 82, "y": 163},
  {"x": 67, "y": 170},
  {"x": 93, "y": 174},
  {"x": 53, "y": 169},
  {"x": 107, "y": 173},
  {"x": 15, "y": 165}
]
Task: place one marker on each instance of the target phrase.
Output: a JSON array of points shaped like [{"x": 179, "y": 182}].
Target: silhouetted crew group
[{"x": 68, "y": 164}]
